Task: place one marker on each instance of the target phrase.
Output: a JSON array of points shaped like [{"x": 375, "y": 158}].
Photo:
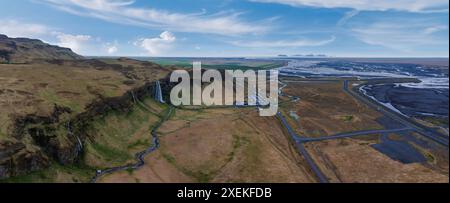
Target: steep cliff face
[
  {"x": 16, "y": 159},
  {"x": 58, "y": 139},
  {"x": 51, "y": 134},
  {"x": 23, "y": 50},
  {"x": 57, "y": 115}
]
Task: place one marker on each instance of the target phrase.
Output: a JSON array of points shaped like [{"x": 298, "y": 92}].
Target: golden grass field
[
  {"x": 217, "y": 144},
  {"x": 354, "y": 161},
  {"x": 220, "y": 145},
  {"x": 35, "y": 88},
  {"x": 324, "y": 109}
]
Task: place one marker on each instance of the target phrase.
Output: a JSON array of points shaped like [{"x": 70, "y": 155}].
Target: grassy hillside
[
  {"x": 41, "y": 100},
  {"x": 23, "y": 50}
]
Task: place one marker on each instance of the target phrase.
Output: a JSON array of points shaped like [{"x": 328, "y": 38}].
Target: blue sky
[{"x": 364, "y": 28}]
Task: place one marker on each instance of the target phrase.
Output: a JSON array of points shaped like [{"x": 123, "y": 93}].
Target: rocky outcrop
[
  {"x": 23, "y": 50},
  {"x": 103, "y": 106},
  {"x": 45, "y": 132},
  {"x": 16, "y": 159},
  {"x": 37, "y": 140}
]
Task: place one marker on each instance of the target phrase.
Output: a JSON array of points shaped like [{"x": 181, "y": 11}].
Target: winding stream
[{"x": 140, "y": 155}]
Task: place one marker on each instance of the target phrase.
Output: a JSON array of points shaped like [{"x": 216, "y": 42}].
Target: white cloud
[
  {"x": 82, "y": 44},
  {"x": 284, "y": 43},
  {"x": 436, "y": 28},
  {"x": 74, "y": 42},
  {"x": 13, "y": 28},
  {"x": 158, "y": 45},
  {"x": 401, "y": 34},
  {"x": 347, "y": 17},
  {"x": 122, "y": 11},
  {"x": 370, "y": 5},
  {"x": 112, "y": 49}
]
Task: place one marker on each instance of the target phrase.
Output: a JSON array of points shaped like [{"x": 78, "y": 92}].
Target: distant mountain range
[
  {"x": 305, "y": 56},
  {"x": 23, "y": 50}
]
